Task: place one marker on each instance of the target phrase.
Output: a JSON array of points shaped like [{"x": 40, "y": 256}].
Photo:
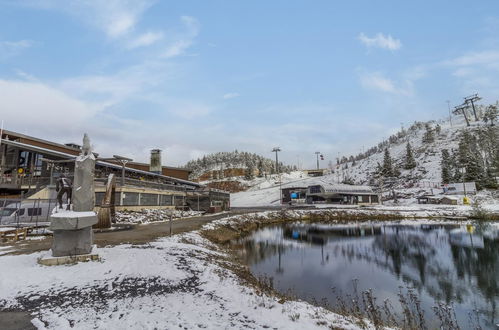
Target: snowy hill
[
  {"x": 364, "y": 168},
  {"x": 222, "y": 165}
]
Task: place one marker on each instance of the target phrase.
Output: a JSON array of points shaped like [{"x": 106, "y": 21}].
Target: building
[
  {"x": 341, "y": 194},
  {"x": 29, "y": 167}
]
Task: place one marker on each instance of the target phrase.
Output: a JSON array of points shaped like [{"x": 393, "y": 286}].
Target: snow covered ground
[
  {"x": 170, "y": 283},
  {"x": 151, "y": 215},
  {"x": 266, "y": 193}
]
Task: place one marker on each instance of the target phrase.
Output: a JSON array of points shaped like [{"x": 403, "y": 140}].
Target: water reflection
[{"x": 451, "y": 263}]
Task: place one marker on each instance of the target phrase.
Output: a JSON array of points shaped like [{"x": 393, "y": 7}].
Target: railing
[
  {"x": 146, "y": 184},
  {"x": 23, "y": 181}
]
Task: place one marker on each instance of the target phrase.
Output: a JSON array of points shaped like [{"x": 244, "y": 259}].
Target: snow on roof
[{"x": 340, "y": 187}]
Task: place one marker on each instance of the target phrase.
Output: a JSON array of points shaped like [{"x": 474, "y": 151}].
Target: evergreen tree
[
  {"x": 438, "y": 129},
  {"x": 470, "y": 158},
  {"x": 446, "y": 166},
  {"x": 260, "y": 168},
  {"x": 491, "y": 114},
  {"x": 396, "y": 171},
  {"x": 429, "y": 135},
  {"x": 410, "y": 162},
  {"x": 249, "y": 173},
  {"x": 387, "y": 168}
]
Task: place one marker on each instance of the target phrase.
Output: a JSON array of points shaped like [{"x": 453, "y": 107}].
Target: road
[{"x": 140, "y": 234}]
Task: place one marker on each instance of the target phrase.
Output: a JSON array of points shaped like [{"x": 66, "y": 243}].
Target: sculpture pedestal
[{"x": 73, "y": 233}]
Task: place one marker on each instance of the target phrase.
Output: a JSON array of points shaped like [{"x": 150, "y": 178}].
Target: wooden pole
[{"x": 171, "y": 220}]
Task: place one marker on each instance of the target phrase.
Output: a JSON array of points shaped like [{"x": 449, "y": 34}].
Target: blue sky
[{"x": 194, "y": 77}]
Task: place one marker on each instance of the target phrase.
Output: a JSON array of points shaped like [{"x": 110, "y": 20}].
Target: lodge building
[{"x": 29, "y": 167}]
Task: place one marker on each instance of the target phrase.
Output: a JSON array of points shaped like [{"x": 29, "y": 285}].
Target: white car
[{"x": 28, "y": 212}]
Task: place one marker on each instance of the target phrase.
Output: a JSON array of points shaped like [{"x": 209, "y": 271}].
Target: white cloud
[
  {"x": 380, "y": 41},
  {"x": 230, "y": 96},
  {"x": 176, "y": 48},
  {"x": 12, "y": 48},
  {"x": 475, "y": 58},
  {"x": 25, "y": 103},
  {"x": 185, "y": 39},
  {"x": 116, "y": 18},
  {"x": 145, "y": 39},
  {"x": 376, "y": 81}
]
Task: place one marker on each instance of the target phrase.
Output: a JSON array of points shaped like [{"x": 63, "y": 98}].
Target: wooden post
[{"x": 171, "y": 219}]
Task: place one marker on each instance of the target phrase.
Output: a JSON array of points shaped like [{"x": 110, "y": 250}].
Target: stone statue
[
  {"x": 83, "y": 188},
  {"x": 73, "y": 235}
]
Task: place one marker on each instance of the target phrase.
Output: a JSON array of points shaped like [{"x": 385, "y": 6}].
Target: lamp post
[
  {"x": 317, "y": 153},
  {"x": 276, "y": 150},
  {"x": 123, "y": 161}
]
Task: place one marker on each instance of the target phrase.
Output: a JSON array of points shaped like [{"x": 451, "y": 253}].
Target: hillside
[
  {"x": 223, "y": 165},
  {"x": 481, "y": 151},
  {"x": 367, "y": 168}
]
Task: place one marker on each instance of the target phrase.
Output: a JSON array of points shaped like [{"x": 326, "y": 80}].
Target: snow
[
  {"x": 7, "y": 228},
  {"x": 61, "y": 213},
  {"x": 265, "y": 191},
  {"x": 149, "y": 215},
  {"x": 168, "y": 283}
]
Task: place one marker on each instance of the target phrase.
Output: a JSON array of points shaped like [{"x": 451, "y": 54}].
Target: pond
[{"x": 430, "y": 265}]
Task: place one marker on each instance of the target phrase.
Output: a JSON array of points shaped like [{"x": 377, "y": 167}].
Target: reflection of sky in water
[{"x": 444, "y": 263}]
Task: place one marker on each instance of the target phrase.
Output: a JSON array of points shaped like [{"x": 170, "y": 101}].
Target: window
[
  {"x": 148, "y": 199},
  {"x": 7, "y": 211},
  {"x": 34, "y": 211},
  {"x": 21, "y": 212},
  {"x": 166, "y": 200},
  {"x": 315, "y": 189}
]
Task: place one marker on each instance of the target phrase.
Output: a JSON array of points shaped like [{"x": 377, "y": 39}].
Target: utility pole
[
  {"x": 472, "y": 99},
  {"x": 123, "y": 161},
  {"x": 450, "y": 117},
  {"x": 317, "y": 153},
  {"x": 276, "y": 150},
  {"x": 462, "y": 109}
]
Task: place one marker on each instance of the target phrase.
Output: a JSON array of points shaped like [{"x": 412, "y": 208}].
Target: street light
[
  {"x": 123, "y": 161},
  {"x": 317, "y": 153},
  {"x": 276, "y": 150}
]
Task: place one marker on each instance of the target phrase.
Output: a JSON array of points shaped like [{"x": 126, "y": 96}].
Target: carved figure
[{"x": 64, "y": 186}]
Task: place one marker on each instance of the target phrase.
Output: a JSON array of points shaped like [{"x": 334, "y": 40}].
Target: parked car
[{"x": 27, "y": 212}]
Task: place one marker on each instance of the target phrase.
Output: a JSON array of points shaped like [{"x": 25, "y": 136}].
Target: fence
[{"x": 21, "y": 212}]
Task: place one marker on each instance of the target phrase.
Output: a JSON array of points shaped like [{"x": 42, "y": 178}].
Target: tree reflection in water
[{"x": 442, "y": 262}]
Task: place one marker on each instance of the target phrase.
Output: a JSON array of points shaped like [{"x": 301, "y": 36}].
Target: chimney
[{"x": 155, "y": 165}]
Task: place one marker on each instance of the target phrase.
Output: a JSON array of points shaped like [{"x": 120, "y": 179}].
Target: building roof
[
  {"x": 344, "y": 188},
  {"x": 98, "y": 162}
]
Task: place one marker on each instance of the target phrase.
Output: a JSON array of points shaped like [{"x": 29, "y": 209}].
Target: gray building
[{"x": 341, "y": 194}]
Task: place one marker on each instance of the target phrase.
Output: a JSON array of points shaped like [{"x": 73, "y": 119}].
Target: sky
[{"x": 196, "y": 77}]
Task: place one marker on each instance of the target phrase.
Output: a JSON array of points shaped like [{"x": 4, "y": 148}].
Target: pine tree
[
  {"x": 387, "y": 168},
  {"x": 438, "y": 129},
  {"x": 410, "y": 162},
  {"x": 491, "y": 114},
  {"x": 446, "y": 166},
  {"x": 249, "y": 173},
  {"x": 429, "y": 135},
  {"x": 470, "y": 158}
]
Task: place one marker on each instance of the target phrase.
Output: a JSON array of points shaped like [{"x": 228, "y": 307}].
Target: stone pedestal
[{"x": 73, "y": 233}]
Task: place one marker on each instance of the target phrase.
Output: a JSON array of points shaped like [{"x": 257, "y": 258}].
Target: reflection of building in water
[{"x": 320, "y": 235}]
